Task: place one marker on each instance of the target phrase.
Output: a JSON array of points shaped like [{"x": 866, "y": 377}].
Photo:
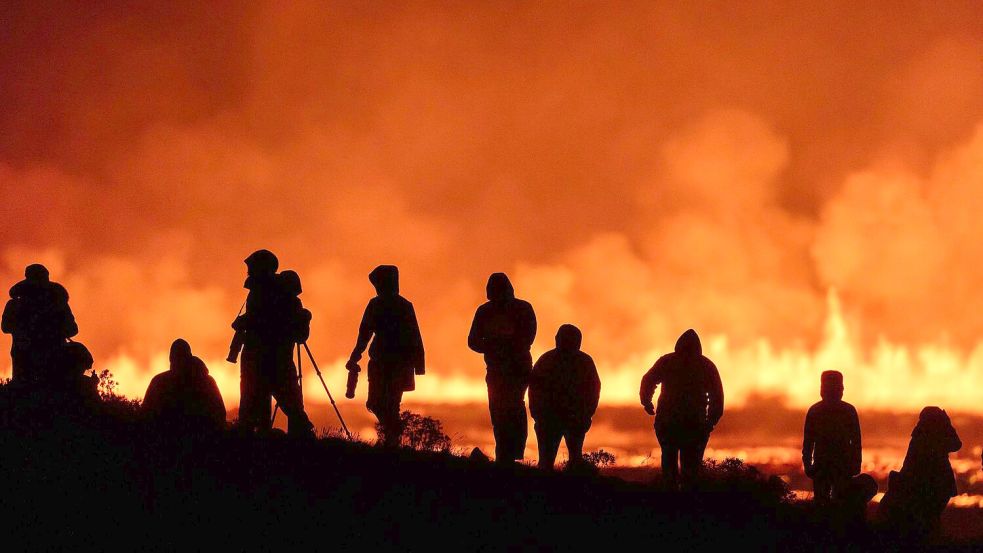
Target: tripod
[{"x": 300, "y": 382}]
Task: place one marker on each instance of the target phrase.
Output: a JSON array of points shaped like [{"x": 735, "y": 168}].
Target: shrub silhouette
[
  {"x": 600, "y": 458},
  {"x": 107, "y": 384},
  {"x": 732, "y": 474},
  {"x": 421, "y": 433},
  {"x": 594, "y": 460}
]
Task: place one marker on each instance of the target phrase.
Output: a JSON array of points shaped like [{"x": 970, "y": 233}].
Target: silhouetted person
[
  {"x": 563, "y": 393},
  {"x": 918, "y": 494},
  {"x": 396, "y": 353},
  {"x": 40, "y": 321},
  {"x": 184, "y": 398},
  {"x": 73, "y": 361},
  {"x": 297, "y": 318},
  {"x": 853, "y": 501},
  {"x": 503, "y": 330},
  {"x": 273, "y": 322},
  {"x": 831, "y": 448},
  {"x": 690, "y": 405}
]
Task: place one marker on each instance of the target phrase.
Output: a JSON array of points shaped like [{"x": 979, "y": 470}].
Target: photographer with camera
[
  {"x": 396, "y": 353},
  {"x": 273, "y": 323}
]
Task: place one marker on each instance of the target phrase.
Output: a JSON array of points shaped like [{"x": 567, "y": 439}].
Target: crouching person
[
  {"x": 564, "y": 390},
  {"x": 185, "y": 398},
  {"x": 72, "y": 384},
  {"x": 918, "y": 494}
]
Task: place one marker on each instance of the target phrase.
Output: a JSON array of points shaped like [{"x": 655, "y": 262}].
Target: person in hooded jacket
[
  {"x": 396, "y": 354},
  {"x": 184, "y": 398},
  {"x": 564, "y": 390},
  {"x": 503, "y": 330},
  {"x": 831, "y": 446},
  {"x": 40, "y": 321},
  {"x": 73, "y": 386},
  {"x": 267, "y": 332},
  {"x": 690, "y": 405},
  {"x": 919, "y": 493}
]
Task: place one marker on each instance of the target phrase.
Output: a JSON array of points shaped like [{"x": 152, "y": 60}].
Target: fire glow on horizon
[
  {"x": 754, "y": 369},
  {"x": 802, "y": 186}
]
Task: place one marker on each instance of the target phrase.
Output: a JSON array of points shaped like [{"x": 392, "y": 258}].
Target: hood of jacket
[
  {"x": 385, "y": 278},
  {"x": 290, "y": 283},
  {"x": 689, "y": 344},
  {"x": 184, "y": 362},
  {"x": 932, "y": 421},
  {"x": 499, "y": 288},
  {"x": 568, "y": 338}
]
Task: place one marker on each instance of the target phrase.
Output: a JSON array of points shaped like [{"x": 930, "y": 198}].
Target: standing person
[
  {"x": 40, "y": 321},
  {"x": 917, "y": 495},
  {"x": 564, "y": 390},
  {"x": 690, "y": 405},
  {"x": 396, "y": 353},
  {"x": 831, "y": 448},
  {"x": 267, "y": 332},
  {"x": 503, "y": 330}
]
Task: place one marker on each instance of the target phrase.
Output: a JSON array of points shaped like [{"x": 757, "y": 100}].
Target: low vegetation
[{"x": 421, "y": 433}]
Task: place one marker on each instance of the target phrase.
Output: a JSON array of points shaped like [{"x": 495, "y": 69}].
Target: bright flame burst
[{"x": 887, "y": 376}]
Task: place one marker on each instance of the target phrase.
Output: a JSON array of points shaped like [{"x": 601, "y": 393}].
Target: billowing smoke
[{"x": 800, "y": 185}]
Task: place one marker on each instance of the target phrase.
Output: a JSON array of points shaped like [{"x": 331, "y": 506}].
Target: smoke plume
[{"x": 799, "y": 183}]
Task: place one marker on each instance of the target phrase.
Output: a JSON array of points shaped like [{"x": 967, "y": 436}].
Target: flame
[{"x": 886, "y": 377}]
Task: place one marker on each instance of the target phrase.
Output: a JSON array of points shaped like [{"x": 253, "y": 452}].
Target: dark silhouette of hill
[{"x": 100, "y": 480}]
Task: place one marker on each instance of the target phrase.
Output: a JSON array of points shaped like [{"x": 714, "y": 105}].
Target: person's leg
[
  {"x": 34, "y": 367},
  {"x": 298, "y": 423},
  {"x": 249, "y": 391},
  {"x": 374, "y": 403},
  {"x": 518, "y": 422},
  {"x": 23, "y": 364},
  {"x": 287, "y": 391},
  {"x": 574, "y": 438},
  {"x": 670, "y": 467},
  {"x": 391, "y": 421},
  {"x": 508, "y": 416},
  {"x": 690, "y": 461},
  {"x": 821, "y": 489},
  {"x": 670, "y": 455},
  {"x": 385, "y": 396},
  {"x": 496, "y": 409},
  {"x": 548, "y": 439},
  {"x": 839, "y": 492}
]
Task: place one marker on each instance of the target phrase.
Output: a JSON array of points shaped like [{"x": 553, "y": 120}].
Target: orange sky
[{"x": 800, "y": 183}]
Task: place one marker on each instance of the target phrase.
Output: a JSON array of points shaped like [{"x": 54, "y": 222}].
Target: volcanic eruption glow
[
  {"x": 754, "y": 369},
  {"x": 802, "y": 186}
]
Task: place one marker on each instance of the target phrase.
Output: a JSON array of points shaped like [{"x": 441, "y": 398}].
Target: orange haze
[{"x": 800, "y": 183}]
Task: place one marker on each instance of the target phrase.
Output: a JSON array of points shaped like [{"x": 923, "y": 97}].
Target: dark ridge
[{"x": 98, "y": 479}]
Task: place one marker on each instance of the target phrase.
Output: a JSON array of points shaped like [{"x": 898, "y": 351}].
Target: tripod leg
[
  {"x": 300, "y": 373},
  {"x": 317, "y": 371}
]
